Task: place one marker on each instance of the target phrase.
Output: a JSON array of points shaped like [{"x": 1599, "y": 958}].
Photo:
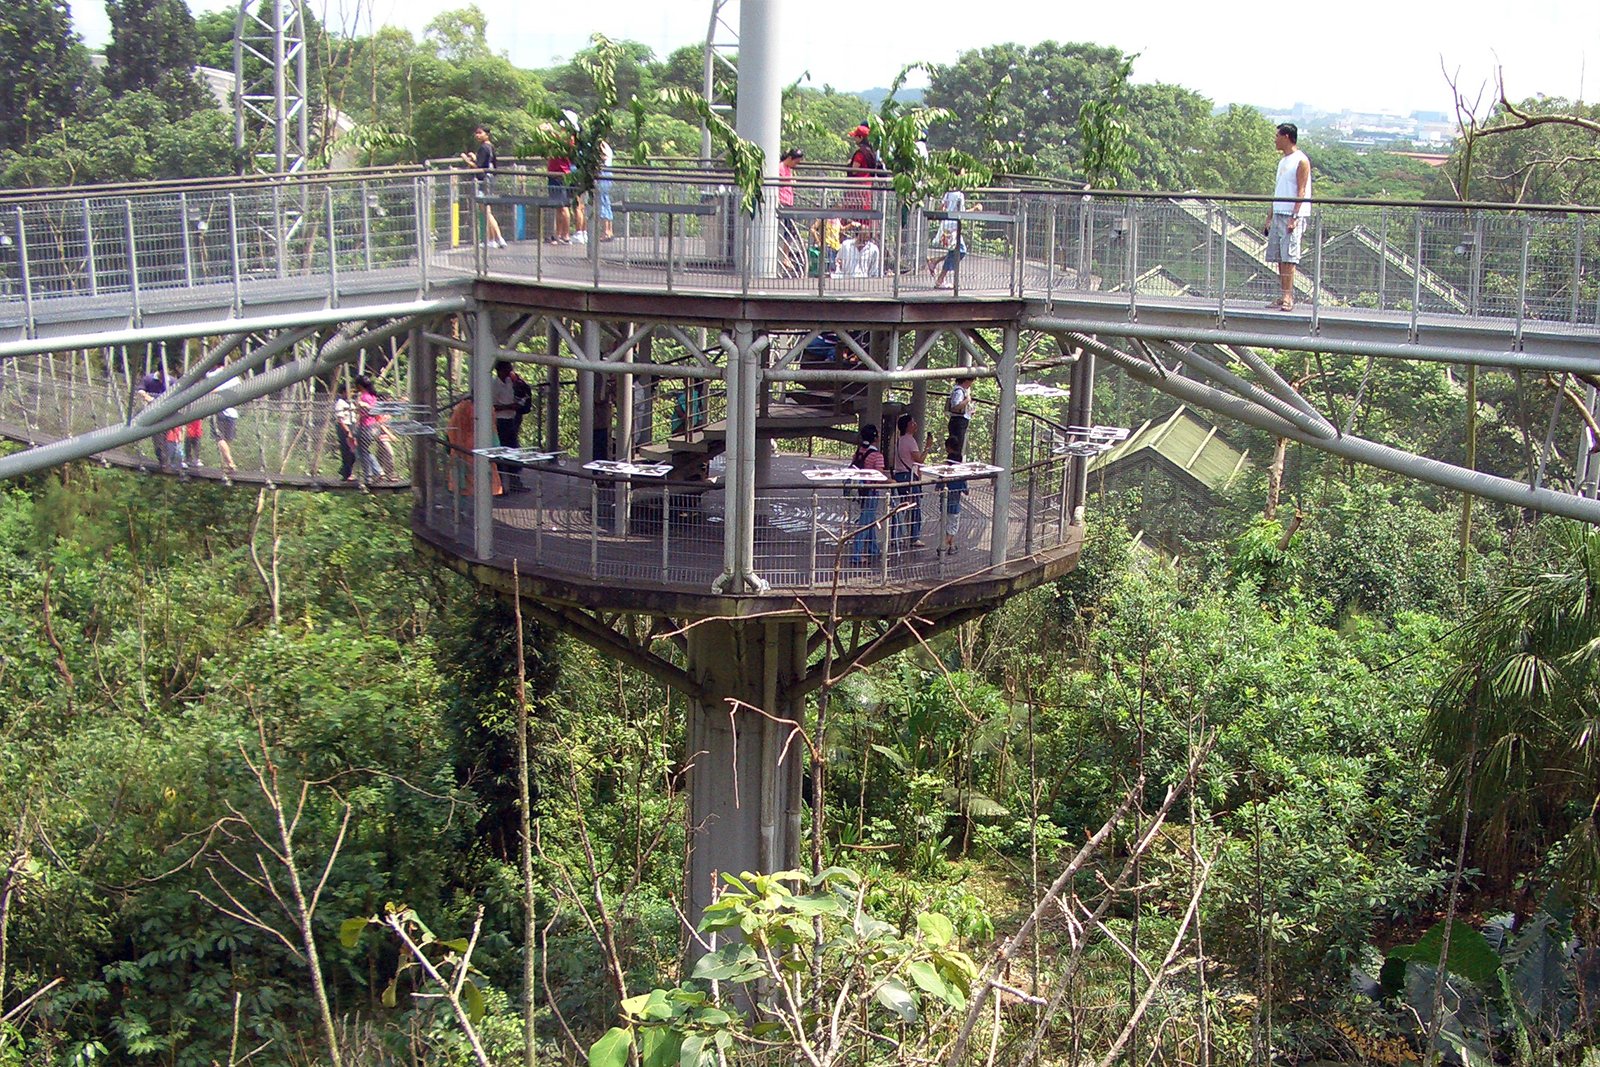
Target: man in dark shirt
[{"x": 484, "y": 161}]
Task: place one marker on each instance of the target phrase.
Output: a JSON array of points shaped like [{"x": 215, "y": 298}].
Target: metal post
[
  {"x": 814, "y": 520},
  {"x": 1577, "y": 264},
  {"x": 366, "y": 225},
  {"x": 27, "y": 273},
  {"x": 88, "y": 248},
  {"x": 666, "y": 524},
  {"x": 1131, "y": 257},
  {"x": 1522, "y": 281},
  {"x": 1476, "y": 285},
  {"x": 1222, "y": 270},
  {"x": 539, "y": 476},
  {"x": 1005, "y": 433},
  {"x": 1316, "y": 279},
  {"x": 955, "y": 281},
  {"x": 1050, "y": 252},
  {"x": 1085, "y": 240},
  {"x": 233, "y": 251},
  {"x": 483, "y": 352},
  {"x": 333, "y": 249},
  {"x": 183, "y": 226},
  {"x": 1416, "y": 279},
  {"x": 669, "y": 251},
  {"x": 1383, "y": 257},
  {"x": 594, "y": 528},
  {"x": 1211, "y": 233},
  {"x": 899, "y": 252},
  {"x": 1020, "y": 247},
  {"x": 279, "y": 234},
  {"x": 422, "y": 190},
  {"x": 133, "y": 261},
  {"x": 1085, "y": 417}
]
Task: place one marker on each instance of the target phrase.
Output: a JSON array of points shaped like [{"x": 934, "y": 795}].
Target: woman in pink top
[
  {"x": 367, "y": 428},
  {"x": 792, "y": 249},
  {"x": 908, "y": 453}
]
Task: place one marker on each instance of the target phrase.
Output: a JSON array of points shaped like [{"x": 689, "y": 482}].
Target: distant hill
[{"x": 874, "y": 97}]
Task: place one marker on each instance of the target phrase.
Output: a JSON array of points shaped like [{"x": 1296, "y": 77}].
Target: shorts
[
  {"x": 224, "y": 426},
  {"x": 560, "y": 194},
  {"x": 1283, "y": 244},
  {"x": 603, "y": 198}
]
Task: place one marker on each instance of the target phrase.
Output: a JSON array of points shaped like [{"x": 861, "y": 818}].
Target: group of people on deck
[
  {"x": 564, "y": 198},
  {"x": 908, "y": 451}
]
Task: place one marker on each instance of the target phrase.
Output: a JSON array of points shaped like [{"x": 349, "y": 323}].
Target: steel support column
[
  {"x": 483, "y": 355},
  {"x": 1005, "y": 433}
]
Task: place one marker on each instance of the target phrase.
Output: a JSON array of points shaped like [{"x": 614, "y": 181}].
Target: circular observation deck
[{"x": 771, "y": 362}]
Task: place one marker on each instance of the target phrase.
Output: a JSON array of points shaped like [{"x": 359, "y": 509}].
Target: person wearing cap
[{"x": 863, "y": 166}]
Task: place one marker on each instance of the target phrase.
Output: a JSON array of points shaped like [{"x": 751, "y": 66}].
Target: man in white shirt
[
  {"x": 859, "y": 256},
  {"x": 1291, "y": 211}
]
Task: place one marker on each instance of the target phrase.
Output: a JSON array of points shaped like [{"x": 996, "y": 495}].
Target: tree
[
  {"x": 154, "y": 45},
  {"x": 44, "y": 69}
]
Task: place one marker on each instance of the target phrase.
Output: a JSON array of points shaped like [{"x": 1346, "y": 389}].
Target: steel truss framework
[{"x": 269, "y": 82}]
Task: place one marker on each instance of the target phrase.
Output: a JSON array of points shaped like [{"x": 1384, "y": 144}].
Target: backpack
[
  {"x": 524, "y": 394},
  {"x": 859, "y": 462}
]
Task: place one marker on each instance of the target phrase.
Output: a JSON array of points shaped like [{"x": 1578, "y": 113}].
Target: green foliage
[
  {"x": 44, "y": 70},
  {"x": 1103, "y": 129},
  {"x": 811, "y": 945},
  {"x": 154, "y": 46}
]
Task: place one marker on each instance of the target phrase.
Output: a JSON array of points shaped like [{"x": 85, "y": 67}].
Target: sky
[{"x": 1364, "y": 55}]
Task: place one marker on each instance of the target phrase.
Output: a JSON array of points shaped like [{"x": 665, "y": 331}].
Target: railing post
[
  {"x": 280, "y": 233},
  {"x": 333, "y": 248},
  {"x": 133, "y": 260},
  {"x": 1522, "y": 282},
  {"x": 27, "y": 272},
  {"x": 666, "y": 524},
  {"x": 1416, "y": 279},
  {"x": 88, "y": 248},
  {"x": 594, "y": 528},
  {"x": 1050, "y": 252},
  {"x": 1222, "y": 271},
  {"x": 366, "y": 225},
  {"x": 955, "y": 275},
  {"x": 183, "y": 227},
  {"x": 233, "y": 251},
  {"x": 1130, "y": 236},
  {"x": 1383, "y": 257},
  {"x": 1476, "y": 288},
  {"x": 1085, "y": 240},
  {"x": 1020, "y": 247},
  {"x": 538, "y": 514},
  {"x": 1211, "y": 233},
  {"x": 1577, "y": 263},
  {"x": 421, "y": 200},
  {"x": 1316, "y": 279},
  {"x": 814, "y": 520}
]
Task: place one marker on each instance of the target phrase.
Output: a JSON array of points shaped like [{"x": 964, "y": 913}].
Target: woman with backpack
[{"x": 864, "y": 549}]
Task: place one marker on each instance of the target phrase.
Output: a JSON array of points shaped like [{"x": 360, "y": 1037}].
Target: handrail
[{"x": 230, "y": 182}]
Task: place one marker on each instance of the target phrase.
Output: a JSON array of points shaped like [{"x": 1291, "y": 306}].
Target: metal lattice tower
[
  {"x": 722, "y": 43},
  {"x": 269, "y": 82}
]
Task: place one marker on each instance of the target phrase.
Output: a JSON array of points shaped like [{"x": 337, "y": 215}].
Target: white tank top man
[{"x": 1291, "y": 208}]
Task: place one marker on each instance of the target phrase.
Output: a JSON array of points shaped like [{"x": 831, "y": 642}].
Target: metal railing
[
  {"x": 114, "y": 251},
  {"x": 566, "y": 521},
  {"x": 125, "y": 253},
  {"x": 288, "y": 438}
]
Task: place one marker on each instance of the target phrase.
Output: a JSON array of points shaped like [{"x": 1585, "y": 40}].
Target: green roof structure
[{"x": 1183, "y": 444}]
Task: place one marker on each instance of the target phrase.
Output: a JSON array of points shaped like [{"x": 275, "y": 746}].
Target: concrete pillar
[
  {"x": 483, "y": 353},
  {"x": 1005, "y": 436},
  {"x": 744, "y": 803},
  {"x": 744, "y": 391}
]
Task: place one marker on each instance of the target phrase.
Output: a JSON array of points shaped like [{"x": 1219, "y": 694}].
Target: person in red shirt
[
  {"x": 863, "y": 167},
  {"x": 558, "y": 170}
]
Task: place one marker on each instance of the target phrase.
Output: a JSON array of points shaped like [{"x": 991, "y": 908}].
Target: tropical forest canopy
[{"x": 258, "y": 757}]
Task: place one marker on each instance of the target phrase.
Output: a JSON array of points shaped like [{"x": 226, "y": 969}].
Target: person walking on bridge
[
  {"x": 1291, "y": 211},
  {"x": 484, "y": 161}
]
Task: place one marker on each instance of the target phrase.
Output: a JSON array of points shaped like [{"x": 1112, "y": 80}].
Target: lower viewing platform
[{"x": 656, "y": 545}]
